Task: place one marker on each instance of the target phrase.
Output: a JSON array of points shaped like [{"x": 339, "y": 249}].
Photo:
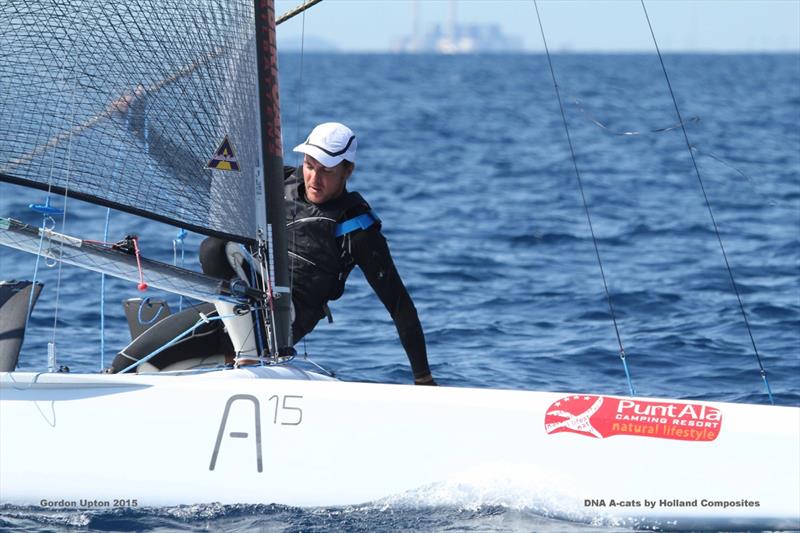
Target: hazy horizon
[{"x": 580, "y": 26}]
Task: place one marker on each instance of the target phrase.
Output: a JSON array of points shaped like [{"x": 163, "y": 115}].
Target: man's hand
[{"x": 425, "y": 380}]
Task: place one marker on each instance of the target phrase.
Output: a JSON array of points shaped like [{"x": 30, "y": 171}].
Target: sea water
[{"x": 466, "y": 162}]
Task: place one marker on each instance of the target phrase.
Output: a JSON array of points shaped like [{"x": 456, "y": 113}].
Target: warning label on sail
[
  {"x": 224, "y": 157},
  {"x": 602, "y": 417}
]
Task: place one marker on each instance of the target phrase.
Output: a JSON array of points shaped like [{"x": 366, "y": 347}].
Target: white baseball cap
[{"x": 330, "y": 143}]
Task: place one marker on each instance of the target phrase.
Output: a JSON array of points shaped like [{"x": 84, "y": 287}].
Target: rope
[
  {"x": 751, "y": 182},
  {"x": 585, "y": 205},
  {"x": 45, "y": 219},
  {"x": 103, "y": 274},
  {"x": 295, "y": 204},
  {"x": 306, "y": 358},
  {"x": 51, "y": 346},
  {"x": 142, "y": 285},
  {"x": 763, "y": 372},
  {"x": 177, "y": 242},
  {"x": 267, "y": 275},
  {"x": 139, "y": 318},
  {"x": 707, "y": 153},
  {"x": 597, "y": 122},
  {"x": 254, "y": 282},
  {"x": 103, "y": 300}
]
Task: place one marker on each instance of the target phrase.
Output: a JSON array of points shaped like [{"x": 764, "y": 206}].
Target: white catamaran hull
[{"x": 83, "y": 440}]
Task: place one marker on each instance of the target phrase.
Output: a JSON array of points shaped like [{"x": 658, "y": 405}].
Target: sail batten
[
  {"x": 127, "y": 105},
  {"x": 106, "y": 260}
]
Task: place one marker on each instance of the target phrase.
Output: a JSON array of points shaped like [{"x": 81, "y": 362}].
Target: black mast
[{"x": 272, "y": 161}]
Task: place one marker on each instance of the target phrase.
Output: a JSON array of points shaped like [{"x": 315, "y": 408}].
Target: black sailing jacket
[{"x": 320, "y": 263}]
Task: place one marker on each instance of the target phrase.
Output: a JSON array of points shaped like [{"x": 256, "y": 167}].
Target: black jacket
[{"x": 320, "y": 263}]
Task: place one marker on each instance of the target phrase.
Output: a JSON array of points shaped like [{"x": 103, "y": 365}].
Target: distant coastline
[{"x": 459, "y": 39}]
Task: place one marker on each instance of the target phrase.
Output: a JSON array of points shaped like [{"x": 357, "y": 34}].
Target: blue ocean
[{"x": 466, "y": 161}]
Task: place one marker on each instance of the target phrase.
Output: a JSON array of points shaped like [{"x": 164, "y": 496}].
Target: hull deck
[{"x": 282, "y": 435}]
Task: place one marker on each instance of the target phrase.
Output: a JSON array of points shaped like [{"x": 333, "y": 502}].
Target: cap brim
[{"x": 319, "y": 155}]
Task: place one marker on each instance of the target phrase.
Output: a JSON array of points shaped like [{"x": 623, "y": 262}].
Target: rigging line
[
  {"x": 29, "y": 311},
  {"x": 296, "y": 11},
  {"x": 589, "y": 116},
  {"x": 238, "y": 355},
  {"x": 45, "y": 219},
  {"x": 261, "y": 281},
  {"x": 140, "y": 320},
  {"x": 256, "y": 313},
  {"x": 295, "y": 204},
  {"x": 300, "y": 93},
  {"x": 73, "y": 107},
  {"x": 138, "y": 254},
  {"x": 695, "y": 119},
  {"x": 707, "y": 153},
  {"x": 750, "y": 181},
  {"x": 103, "y": 274},
  {"x": 330, "y": 373},
  {"x": 585, "y": 205},
  {"x": 103, "y": 300},
  {"x": 763, "y": 371},
  {"x": 177, "y": 242}
]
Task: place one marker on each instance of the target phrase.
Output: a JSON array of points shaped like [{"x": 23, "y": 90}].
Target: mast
[{"x": 272, "y": 165}]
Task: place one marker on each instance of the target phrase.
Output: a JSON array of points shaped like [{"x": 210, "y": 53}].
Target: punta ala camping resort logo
[{"x": 602, "y": 417}]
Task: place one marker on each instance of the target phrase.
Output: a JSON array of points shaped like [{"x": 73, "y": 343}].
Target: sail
[{"x": 149, "y": 107}]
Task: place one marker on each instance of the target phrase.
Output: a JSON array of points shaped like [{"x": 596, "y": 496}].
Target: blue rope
[
  {"x": 259, "y": 339},
  {"x": 36, "y": 271},
  {"x": 178, "y": 242},
  {"x": 103, "y": 300},
  {"x": 144, "y": 302},
  {"x": 47, "y": 211},
  {"x": 627, "y": 372}
]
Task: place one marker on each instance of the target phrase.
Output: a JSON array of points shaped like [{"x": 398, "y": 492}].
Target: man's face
[{"x": 324, "y": 183}]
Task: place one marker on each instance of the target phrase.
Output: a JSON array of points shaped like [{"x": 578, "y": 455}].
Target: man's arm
[{"x": 371, "y": 254}]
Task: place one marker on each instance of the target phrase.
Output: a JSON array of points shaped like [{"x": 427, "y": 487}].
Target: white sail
[{"x": 128, "y": 105}]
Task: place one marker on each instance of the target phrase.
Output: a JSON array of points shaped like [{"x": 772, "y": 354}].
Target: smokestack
[{"x": 453, "y": 23}]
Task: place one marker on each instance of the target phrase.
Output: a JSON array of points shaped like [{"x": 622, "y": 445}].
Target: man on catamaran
[{"x": 330, "y": 231}]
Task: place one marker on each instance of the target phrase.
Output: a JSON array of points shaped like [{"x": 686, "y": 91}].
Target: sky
[{"x": 570, "y": 25}]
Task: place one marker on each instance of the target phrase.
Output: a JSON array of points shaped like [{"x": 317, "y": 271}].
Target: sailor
[{"x": 330, "y": 231}]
